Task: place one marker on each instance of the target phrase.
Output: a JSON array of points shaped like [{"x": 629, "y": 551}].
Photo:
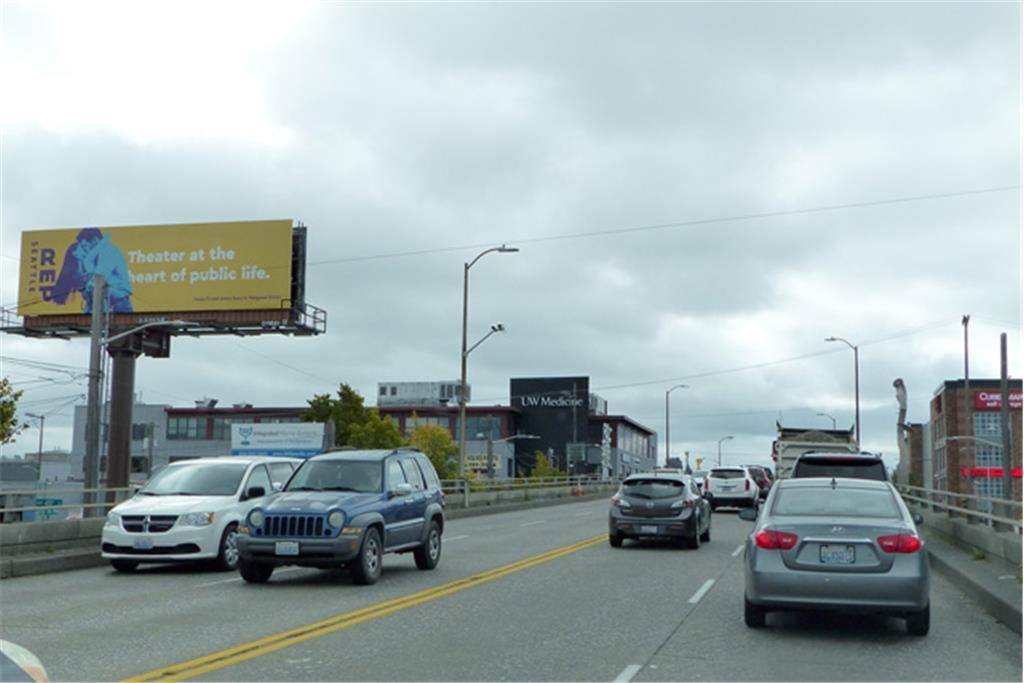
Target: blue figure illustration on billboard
[{"x": 94, "y": 253}]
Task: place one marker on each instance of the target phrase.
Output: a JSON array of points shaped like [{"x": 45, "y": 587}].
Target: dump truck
[{"x": 792, "y": 442}]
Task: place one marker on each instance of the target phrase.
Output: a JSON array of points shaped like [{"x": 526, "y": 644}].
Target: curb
[{"x": 980, "y": 583}]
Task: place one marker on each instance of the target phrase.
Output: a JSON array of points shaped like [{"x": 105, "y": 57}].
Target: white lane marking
[
  {"x": 702, "y": 591},
  {"x": 239, "y": 578},
  {"x": 540, "y": 521},
  {"x": 627, "y": 674},
  {"x": 583, "y": 514},
  {"x": 737, "y": 551},
  {"x": 448, "y": 539}
]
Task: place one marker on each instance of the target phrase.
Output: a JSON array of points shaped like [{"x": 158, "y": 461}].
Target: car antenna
[{"x": 833, "y": 483}]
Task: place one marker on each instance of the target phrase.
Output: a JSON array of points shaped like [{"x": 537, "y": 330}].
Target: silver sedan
[{"x": 836, "y": 544}]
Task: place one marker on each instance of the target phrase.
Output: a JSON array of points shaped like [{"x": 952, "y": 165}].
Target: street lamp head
[
  {"x": 831, "y": 339},
  {"x": 497, "y": 327},
  {"x": 507, "y": 250}
]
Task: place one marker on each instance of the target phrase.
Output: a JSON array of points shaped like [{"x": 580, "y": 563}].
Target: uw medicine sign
[{"x": 554, "y": 408}]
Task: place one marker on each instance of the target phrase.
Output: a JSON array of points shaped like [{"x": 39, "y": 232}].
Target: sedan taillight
[
  {"x": 903, "y": 543},
  {"x": 748, "y": 484},
  {"x": 775, "y": 540}
]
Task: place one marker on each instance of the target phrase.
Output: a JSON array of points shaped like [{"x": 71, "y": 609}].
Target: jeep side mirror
[
  {"x": 749, "y": 514},
  {"x": 255, "y": 492},
  {"x": 403, "y": 489}
]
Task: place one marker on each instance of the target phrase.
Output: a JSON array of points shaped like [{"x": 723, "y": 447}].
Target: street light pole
[
  {"x": 829, "y": 417},
  {"x": 667, "y": 441},
  {"x": 724, "y": 438},
  {"x": 465, "y": 352},
  {"x": 856, "y": 383}
]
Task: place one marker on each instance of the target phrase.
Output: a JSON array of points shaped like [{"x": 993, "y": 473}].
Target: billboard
[
  {"x": 157, "y": 268},
  {"x": 277, "y": 438}
]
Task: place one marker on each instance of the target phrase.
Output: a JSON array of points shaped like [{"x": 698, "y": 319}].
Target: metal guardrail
[
  {"x": 947, "y": 501},
  {"x": 106, "y": 498},
  {"x": 102, "y": 498}
]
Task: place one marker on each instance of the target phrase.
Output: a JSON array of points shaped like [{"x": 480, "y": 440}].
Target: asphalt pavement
[{"x": 533, "y": 595}]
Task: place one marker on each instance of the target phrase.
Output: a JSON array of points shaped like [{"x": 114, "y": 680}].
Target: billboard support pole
[
  {"x": 92, "y": 414},
  {"x": 122, "y": 389}
]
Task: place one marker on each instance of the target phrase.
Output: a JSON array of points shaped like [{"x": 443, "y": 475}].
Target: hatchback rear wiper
[{"x": 638, "y": 495}]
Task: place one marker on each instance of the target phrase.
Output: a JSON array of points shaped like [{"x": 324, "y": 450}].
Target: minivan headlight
[
  {"x": 196, "y": 519},
  {"x": 256, "y": 519},
  {"x": 113, "y": 519},
  {"x": 336, "y": 519}
]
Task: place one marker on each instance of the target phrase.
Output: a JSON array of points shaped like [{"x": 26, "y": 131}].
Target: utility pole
[
  {"x": 968, "y": 429},
  {"x": 490, "y": 454},
  {"x": 1004, "y": 418},
  {"x": 151, "y": 430},
  {"x": 92, "y": 412},
  {"x": 39, "y": 455}
]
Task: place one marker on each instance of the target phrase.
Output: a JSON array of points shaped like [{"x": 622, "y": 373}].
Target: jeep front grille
[{"x": 294, "y": 526}]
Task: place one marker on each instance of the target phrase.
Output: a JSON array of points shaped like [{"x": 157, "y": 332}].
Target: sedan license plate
[
  {"x": 646, "y": 529},
  {"x": 837, "y": 554},
  {"x": 144, "y": 543},
  {"x": 286, "y": 548}
]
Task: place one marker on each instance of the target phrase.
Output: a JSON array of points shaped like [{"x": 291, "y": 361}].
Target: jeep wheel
[
  {"x": 253, "y": 572},
  {"x": 429, "y": 554},
  {"x": 124, "y": 565},
  {"x": 227, "y": 558},
  {"x": 366, "y": 567}
]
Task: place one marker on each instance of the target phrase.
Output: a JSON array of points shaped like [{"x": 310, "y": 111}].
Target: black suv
[
  {"x": 347, "y": 508},
  {"x": 838, "y": 464}
]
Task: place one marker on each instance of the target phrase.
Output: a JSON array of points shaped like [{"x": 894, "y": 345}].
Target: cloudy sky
[{"x": 701, "y": 192}]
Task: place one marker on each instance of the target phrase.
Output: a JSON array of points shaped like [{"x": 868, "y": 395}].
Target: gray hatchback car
[
  {"x": 659, "y": 505},
  {"x": 836, "y": 544}
]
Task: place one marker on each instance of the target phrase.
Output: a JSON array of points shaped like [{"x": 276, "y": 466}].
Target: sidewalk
[{"x": 992, "y": 582}]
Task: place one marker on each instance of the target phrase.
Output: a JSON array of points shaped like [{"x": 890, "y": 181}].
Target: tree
[
  {"x": 9, "y": 425},
  {"x": 543, "y": 469},
  {"x": 375, "y": 432},
  {"x": 436, "y": 442},
  {"x": 345, "y": 411}
]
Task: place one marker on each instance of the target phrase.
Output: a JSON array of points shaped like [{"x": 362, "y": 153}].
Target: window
[
  {"x": 222, "y": 429},
  {"x": 986, "y": 455},
  {"x": 444, "y": 422},
  {"x": 186, "y": 428},
  {"x": 395, "y": 475},
  {"x": 939, "y": 463},
  {"x": 219, "y": 479},
  {"x": 939, "y": 428},
  {"x": 259, "y": 477},
  {"x": 140, "y": 432},
  {"x": 480, "y": 426},
  {"x": 987, "y": 424},
  {"x": 279, "y": 473},
  {"x": 412, "y": 474},
  {"x": 338, "y": 475},
  {"x": 394, "y": 391},
  {"x": 140, "y": 464},
  {"x": 383, "y": 391},
  {"x": 826, "y": 501},
  {"x": 988, "y": 487}
]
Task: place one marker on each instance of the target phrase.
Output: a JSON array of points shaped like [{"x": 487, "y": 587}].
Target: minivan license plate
[
  {"x": 286, "y": 548},
  {"x": 144, "y": 543},
  {"x": 837, "y": 554}
]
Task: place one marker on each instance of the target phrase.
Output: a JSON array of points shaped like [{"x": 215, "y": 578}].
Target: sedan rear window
[
  {"x": 653, "y": 488},
  {"x": 727, "y": 474},
  {"x": 826, "y": 501},
  {"x": 854, "y": 468}
]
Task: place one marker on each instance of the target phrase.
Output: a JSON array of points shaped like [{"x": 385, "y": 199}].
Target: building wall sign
[
  {"x": 991, "y": 400},
  {"x": 301, "y": 439},
  {"x": 543, "y": 401}
]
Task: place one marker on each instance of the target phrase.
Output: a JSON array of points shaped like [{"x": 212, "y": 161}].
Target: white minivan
[{"x": 189, "y": 511}]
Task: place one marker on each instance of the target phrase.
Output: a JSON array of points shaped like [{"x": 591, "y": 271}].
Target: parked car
[
  {"x": 348, "y": 508},
  {"x": 762, "y": 479},
  {"x": 664, "y": 505},
  {"x": 837, "y": 545},
  {"x": 190, "y": 510},
  {"x": 731, "y": 487},
  {"x": 840, "y": 464}
]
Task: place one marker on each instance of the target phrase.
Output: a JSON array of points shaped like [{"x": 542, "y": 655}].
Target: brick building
[{"x": 973, "y": 465}]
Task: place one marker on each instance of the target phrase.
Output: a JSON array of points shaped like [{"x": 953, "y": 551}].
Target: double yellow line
[{"x": 258, "y": 648}]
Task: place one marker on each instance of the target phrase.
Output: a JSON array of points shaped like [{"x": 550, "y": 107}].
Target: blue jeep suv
[{"x": 347, "y": 508}]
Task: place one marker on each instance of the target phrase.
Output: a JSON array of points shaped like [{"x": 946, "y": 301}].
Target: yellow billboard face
[{"x": 157, "y": 268}]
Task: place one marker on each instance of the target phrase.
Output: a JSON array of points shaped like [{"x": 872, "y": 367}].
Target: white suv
[
  {"x": 731, "y": 487},
  {"x": 189, "y": 511}
]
